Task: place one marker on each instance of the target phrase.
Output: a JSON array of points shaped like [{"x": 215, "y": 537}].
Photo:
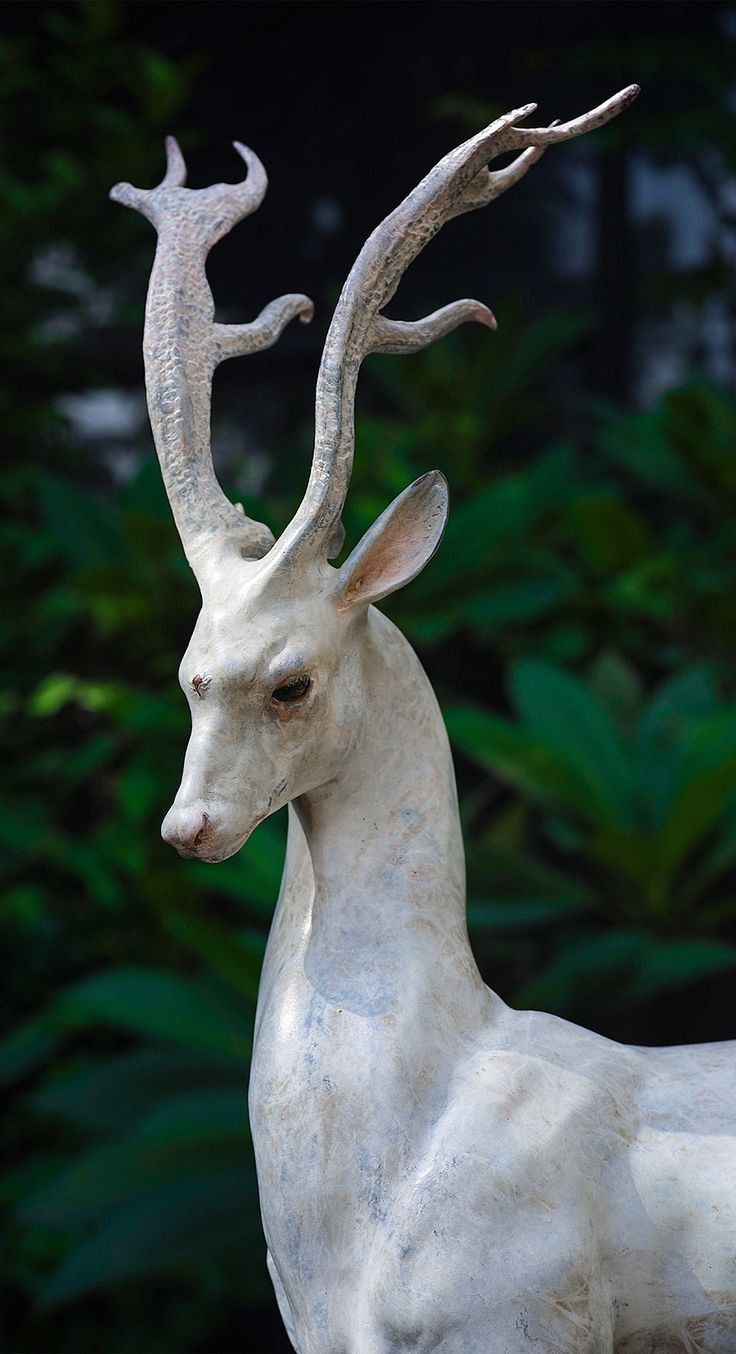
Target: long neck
[{"x": 383, "y": 927}]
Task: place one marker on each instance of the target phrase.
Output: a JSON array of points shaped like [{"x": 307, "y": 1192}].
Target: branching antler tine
[
  {"x": 501, "y": 179},
  {"x": 565, "y": 131},
  {"x": 138, "y": 199},
  {"x": 410, "y": 336},
  {"x": 176, "y": 168},
  {"x": 458, "y": 183},
  {"x": 235, "y": 340},
  {"x": 250, "y": 192},
  {"x": 145, "y": 200},
  {"x": 182, "y": 346},
  {"x": 488, "y": 184},
  {"x": 371, "y": 284}
]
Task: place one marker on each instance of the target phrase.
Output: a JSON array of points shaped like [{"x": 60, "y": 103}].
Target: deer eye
[{"x": 295, "y": 689}]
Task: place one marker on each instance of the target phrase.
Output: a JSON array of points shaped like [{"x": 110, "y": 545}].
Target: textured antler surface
[
  {"x": 459, "y": 183},
  {"x": 182, "y": 346}
]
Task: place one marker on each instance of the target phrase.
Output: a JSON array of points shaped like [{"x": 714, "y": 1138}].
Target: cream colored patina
[{"x": 437, "y": 1171}]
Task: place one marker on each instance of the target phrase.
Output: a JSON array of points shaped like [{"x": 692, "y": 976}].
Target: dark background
[{"x": 579, "y": 622}]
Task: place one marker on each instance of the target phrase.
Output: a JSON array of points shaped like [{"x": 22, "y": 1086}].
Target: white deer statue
[{"x": 437, "y": 1171}]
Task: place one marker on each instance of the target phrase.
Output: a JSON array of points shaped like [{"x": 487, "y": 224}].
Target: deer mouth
[{"x": 212, "y": 852}]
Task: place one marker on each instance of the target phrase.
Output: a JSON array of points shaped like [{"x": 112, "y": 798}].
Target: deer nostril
[
  {"x": 187, "y": 831},
  {"x": 203, "y": 832}
]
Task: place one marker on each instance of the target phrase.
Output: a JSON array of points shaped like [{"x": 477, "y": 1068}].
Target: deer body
[{"x": 437, "y": 1171}]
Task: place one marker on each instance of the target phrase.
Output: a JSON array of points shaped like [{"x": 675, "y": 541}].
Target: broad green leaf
[
  {"x": 139, "y": 790},
  {"x": 629, "y": 855},
  {"x": 513, "y": 602},
  {"x": 86, "y": 529},
  {"x": 515, "y": 755},
  {"x": 671, "y": 964},
  {"x": 568, "y": 719},
  {"x": 505, "y": 836},
  {"x": 188, "y": 1012},
  {"x": 646, "y": 590},
  {"x": 723, "y": 853},
  {"x": 25, "y": 1048},
  {"x": 163, "y": 85},
  {"x": 564, "y": 643},
  {"x": 618, "y": 686},
  {"x": 515, "y": 873},
  {"x": 610, "y": 534},
  {"x": 236, "y": 957},
  {"x": 162, "y": 1005},
  {"x": 701, "y": 423},
  {"x": 519, "y": 914},
  {"x": 617, "y": 967},
  {"x": 115, "y": 1092},
  {"x": 173, "y": 1228},
  {"x": 699, "y": 788},
  {"x": 211, "y": 1114},
  {"x": 639, "y": 443},
  {"x": 696, "y": 810},
  {"x": 142, "y": 710},
  {"x": 106, "y": 1176},
  {"x": 515, "y": 377},
  {"x": 586, "y": 968},
  {"x": 663, "y": 729},
  {"x": 486, "y": 610}
]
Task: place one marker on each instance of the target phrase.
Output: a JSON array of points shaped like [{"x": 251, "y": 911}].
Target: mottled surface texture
[
  {"x": 182, "y": 345},
  {"x": 437, "y": 1172}
]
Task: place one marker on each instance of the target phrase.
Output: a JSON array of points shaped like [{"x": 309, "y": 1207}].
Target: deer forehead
[{"x": 260, "y": 647}]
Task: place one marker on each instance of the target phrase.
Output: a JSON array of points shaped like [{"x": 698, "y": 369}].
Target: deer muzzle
[{"x": 189, "y": 828}]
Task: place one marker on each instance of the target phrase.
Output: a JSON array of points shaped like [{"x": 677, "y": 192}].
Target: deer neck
[{"x": 383, "y": 924}]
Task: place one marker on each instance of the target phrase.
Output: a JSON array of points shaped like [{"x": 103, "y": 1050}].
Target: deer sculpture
[{"x": 437, "y": 1171}]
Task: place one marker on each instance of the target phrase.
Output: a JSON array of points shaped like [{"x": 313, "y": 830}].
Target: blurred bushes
[
  {"x": 588, "y": 600},
  {"x": 579, "y": 623}
]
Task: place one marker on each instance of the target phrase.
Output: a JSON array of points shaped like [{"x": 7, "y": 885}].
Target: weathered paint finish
[{"x": 437, "y": 1171}]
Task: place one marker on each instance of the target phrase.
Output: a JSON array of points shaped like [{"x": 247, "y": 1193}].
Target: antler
[
  {"x": 182, "y": 346},
  {"x": 459, "y": 183}
]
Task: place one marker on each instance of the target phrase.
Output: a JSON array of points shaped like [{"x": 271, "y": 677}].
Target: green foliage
[
  {"x": 600, "y": 821},
  {"x": 643, "y": 808}
]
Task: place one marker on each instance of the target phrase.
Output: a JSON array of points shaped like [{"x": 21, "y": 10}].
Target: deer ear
[{"x": 398, "y": 545}]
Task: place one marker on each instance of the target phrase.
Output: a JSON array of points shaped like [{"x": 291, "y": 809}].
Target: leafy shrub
[
  {"x": 600, "y": 822},
  {"x": 579, "y": 624}
]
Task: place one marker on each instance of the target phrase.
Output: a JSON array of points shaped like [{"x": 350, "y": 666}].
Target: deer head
[{"x": 274, "y": 673}]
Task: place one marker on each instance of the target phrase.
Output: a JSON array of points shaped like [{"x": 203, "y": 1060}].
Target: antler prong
[
  {"x": 410, "y": 336},
  {"x": 588, "y": 122},
  {"x": 128, "y": 196},
  {"x": 176, "y": 168},
  {"x": 236, "y": 340},
  {"x": 251, "y": 190},
  {"x": 489, "y": 184},
  {"x": 460, "y": 182},
  {"x": 182, "y": 346}
]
